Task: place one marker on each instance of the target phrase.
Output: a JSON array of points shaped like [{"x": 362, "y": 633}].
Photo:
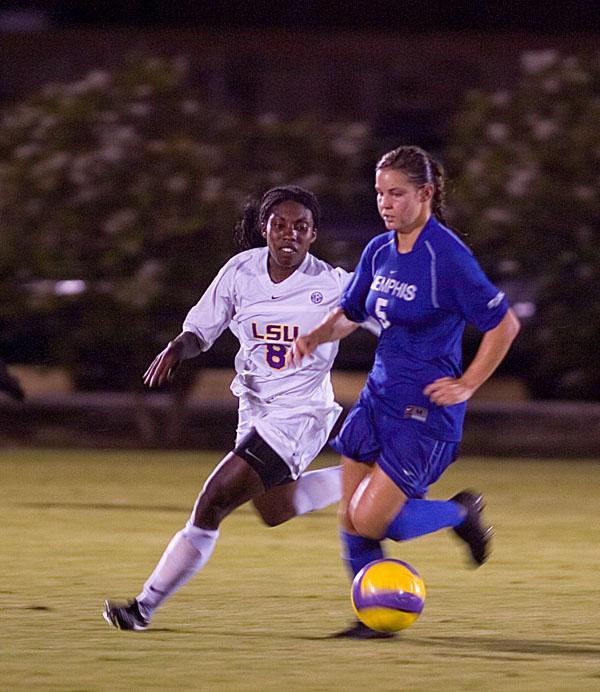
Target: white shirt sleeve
[{"x": 214, "y": 311}]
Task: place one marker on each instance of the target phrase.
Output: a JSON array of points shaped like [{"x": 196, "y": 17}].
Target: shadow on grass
[
  {"x": 26, "y": 607},
  {"x": 517, "y": 646},
  {"x": 133, "y": 508},
  {"x": 104, "y": 506},
  {"x": 460, "y": 645}
]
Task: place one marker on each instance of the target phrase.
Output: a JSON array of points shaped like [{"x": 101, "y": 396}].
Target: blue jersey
[{"x": 422, "y": 299}]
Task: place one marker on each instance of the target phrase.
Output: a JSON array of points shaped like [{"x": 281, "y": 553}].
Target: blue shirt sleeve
[
  {"x": 354, "y": 297},
  {"x": 466, "y": 289}
]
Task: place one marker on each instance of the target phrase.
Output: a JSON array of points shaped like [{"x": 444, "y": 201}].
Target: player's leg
[
  {"x": 311, "y": 491},
  {"x": 411, "y": 462},
  {"x": 462, "y": 513},
  {"x": 375, "y": 503},
  {"x": 371, "y": 508},
  {"x": 426, "y": 459},
  {"x": 358, "y": 446},
  {"x": 242, "y": 475},
  {"x": 383, "y": 511},
  {"x": 232, "y": 483},
  {"x": 357, "y": 550},
  {"x": 298, "y": 438}
]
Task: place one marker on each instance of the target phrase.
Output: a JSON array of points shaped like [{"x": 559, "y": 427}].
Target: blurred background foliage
[
  {"x": 119, "y": 193},
  {"x": 526, "y": 166},
  {"x": 118, "y": 198}
]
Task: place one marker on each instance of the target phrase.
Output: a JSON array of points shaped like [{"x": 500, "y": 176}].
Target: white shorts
[{"x": 297, "y": 434}]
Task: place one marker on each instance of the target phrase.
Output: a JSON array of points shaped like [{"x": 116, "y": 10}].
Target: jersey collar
[
  {"x": 285, "y": 285},
  {"x": 425, "y": 234}
]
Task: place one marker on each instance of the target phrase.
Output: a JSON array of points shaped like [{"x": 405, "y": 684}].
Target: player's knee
[
  {"x": 272, "y": 517},
  {"x": 276, "y": 506},
  {"x": 212, "y": 506},
  {"x": 365, "y": 523},
  {"x": 344, "y": 519},
  {"x": 271, "y": 521}
]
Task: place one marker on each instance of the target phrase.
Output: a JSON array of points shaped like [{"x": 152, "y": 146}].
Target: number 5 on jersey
[{"x": 380, "y": 306}]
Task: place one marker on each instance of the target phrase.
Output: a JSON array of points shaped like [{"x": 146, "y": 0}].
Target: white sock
[
  {"x": 318, "y": 489},
  {"x": 186, "y": 554}
]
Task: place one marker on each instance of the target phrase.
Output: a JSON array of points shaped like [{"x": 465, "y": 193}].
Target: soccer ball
[{"x": 388, "y": 595}]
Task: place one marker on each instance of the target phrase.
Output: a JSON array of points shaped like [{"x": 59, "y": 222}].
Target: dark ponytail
[
  {"x": 248, "y": 232},
  {"x": 438, "y": 203}
]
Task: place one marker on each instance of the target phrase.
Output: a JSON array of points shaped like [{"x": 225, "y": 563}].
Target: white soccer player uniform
[{"x": 291, "y": 407}]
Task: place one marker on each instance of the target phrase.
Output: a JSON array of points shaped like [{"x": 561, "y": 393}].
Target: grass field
[{"x": 78, "y": 526}]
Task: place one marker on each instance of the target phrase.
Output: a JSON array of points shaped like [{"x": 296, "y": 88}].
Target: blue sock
[
  {"x": 358, "y": 551},
  {"x": 419, "y": 517}
]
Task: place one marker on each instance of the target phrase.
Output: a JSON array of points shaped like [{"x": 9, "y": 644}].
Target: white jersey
[{"x": 266, "y": 317}]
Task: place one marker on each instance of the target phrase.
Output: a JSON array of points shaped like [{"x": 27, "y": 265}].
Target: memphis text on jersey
[
  {"x": 275, "y": 352},
  {"x": 399, "y": 289}
]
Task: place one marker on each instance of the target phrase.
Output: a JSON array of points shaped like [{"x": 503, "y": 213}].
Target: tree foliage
[
  {"x": 118, "y": 197},
  {"x": 528, "y": 189}
]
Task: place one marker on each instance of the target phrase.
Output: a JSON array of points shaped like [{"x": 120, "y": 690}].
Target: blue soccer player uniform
[{"x": 422, "y": 299}]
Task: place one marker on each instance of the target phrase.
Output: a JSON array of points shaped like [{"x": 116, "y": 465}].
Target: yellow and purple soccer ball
[{"x": 388, "y": 595}]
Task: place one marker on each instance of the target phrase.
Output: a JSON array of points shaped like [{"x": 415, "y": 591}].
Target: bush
[
  {"x": 528, "y": 188},
  {"x": 118, "y": 196}
]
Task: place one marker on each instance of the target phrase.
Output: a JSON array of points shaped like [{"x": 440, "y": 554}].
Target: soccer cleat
[
  {"x": 359, "y": 631},
  {"x": 124, "y": 616},
  {"x": 472, "y": 530}
]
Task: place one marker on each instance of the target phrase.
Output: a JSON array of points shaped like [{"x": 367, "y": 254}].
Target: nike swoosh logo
[
  {"x": 250, "y": 454},
  {"x": 275, "y": 297}
]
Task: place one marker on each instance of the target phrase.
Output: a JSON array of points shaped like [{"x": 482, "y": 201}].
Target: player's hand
[
  {"x": 447, "y": 391},
  {"x": 163, "y": 367},
  {"x": 302, "y": 346}
]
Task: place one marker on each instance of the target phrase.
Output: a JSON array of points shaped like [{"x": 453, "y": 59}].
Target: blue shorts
[{"x": 401, "y": 447}]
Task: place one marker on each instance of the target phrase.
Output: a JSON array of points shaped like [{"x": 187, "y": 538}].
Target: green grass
[{"x": 78, "y": 526}]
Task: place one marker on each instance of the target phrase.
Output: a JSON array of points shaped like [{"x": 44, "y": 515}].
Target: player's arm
[
  {"x": 491, "y": 352},
  {"x": 163, "y": 367},
  {"x": 335, "y": 326},
  {"x": 202, "y": 326},
  {"x": 346, "y": 279}
]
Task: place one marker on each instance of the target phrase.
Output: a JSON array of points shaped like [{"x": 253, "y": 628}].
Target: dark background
[{"x": 489, "y": 15}]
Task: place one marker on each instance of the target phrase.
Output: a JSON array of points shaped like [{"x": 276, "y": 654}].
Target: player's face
[
  {"x": 290, "y": 231},
  {"x": 402, "y": 205}
]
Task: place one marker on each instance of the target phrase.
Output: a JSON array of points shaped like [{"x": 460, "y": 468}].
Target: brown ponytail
[{"x": 438, "y": 203}]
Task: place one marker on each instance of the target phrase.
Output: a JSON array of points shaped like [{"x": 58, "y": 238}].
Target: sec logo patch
[{"x": 316, "y": 297}]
